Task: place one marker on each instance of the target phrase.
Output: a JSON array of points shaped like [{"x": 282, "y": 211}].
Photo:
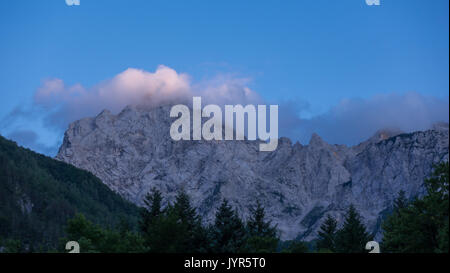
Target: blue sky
[{"x": 313, "y": 53}]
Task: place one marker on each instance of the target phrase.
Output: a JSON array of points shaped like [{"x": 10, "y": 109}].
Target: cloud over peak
[
  {"x": 135, "y": 86},
  {"x": 350, "y": 121}
]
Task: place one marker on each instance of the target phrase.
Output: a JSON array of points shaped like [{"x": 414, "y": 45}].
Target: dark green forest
[
  {"x": 421, "y": 225},
  {"x": 38, "y": 195},
  {"x": 45, "y": 203}
]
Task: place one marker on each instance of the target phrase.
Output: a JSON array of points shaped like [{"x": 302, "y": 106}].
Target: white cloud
[{"x": 134, "y": 86}]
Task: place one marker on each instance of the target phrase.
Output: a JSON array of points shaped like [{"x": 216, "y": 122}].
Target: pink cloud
[{"x": 136, "y": 86}]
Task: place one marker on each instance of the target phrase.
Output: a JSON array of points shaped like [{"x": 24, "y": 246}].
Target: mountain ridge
[{"x": 132, "y": 152}]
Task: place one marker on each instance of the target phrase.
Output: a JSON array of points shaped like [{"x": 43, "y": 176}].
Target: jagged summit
[
  {"x": 384, "y": 134},
  {"x": 316, "y": 140},
  {"x": 299, "y": 185}
]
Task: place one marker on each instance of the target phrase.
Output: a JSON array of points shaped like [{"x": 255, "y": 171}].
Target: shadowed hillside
[{"x": 39, "y": 194}]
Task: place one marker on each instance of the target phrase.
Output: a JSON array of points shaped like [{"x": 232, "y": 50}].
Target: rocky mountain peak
[
  {"x": 299, "y": 185},
  {"x": 384, "y": 134},
  {"x": 317, "y": 141}
]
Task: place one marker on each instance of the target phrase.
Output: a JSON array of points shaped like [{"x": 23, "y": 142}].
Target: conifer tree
[
  {"x": 261, "y": 234},
  {"x": 257, "y": 225},
  {"x": 193, "y": 234},
  {"x": 327, "y": 235},
  {"x": 175, "y": 229},
  {"x": 184, "y": 210},
  {"x": 167, "y": 233},
  {"x": 228, "y": 232},
  {"x": 151, "y": 210},
  {"x": 352, "y": 238},
  {"x": 150, "y": 213},
  {"x": 392, "y": 225}
]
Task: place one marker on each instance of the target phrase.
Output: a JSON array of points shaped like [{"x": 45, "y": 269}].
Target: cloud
[
  {"x": 56, "y": 104},
  {"x": 17, "y": 113},
  {"x": 29, "y": 139},
  {"x": 134, "y": 86},
  {"x": 351, "y": 121},
  {"x": 68, "y": 103},
  {"x": 355, "y": 120},
  {"x": 225, "y": 89}
]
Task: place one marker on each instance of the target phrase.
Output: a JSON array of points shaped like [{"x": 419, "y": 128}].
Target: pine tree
[
  {"x": 151, "y": 210},
  {"x": 167, "y": 233},
  {"x": 175, "y": 229},
  {"x": 392, "y": 225},
  {"x": 194, "y": 236},
  {"x": 228, "y": 232},
  {"x": 185, "y": 212},
  {"x": 261, "y": 235},
  {"x": 150, "y": 214},
  {"x": 422, "y": 226},
  {"x": 352, "y": 238},
  {"x": 327, "y": 235},
  {"x": 257, "y": 226}
]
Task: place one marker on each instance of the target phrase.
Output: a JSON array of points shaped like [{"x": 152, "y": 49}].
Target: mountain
[
  {"x": 299, "y": 185},
  {"x": 39, "y": 194}
]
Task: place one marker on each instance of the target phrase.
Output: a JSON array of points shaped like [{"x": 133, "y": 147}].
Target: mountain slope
[
  {"x": 298, "y": 184},
  {"x": 38, "y": 194}
]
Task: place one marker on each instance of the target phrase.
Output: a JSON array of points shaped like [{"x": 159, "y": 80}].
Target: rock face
[{"x": 298, "y": 184}]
